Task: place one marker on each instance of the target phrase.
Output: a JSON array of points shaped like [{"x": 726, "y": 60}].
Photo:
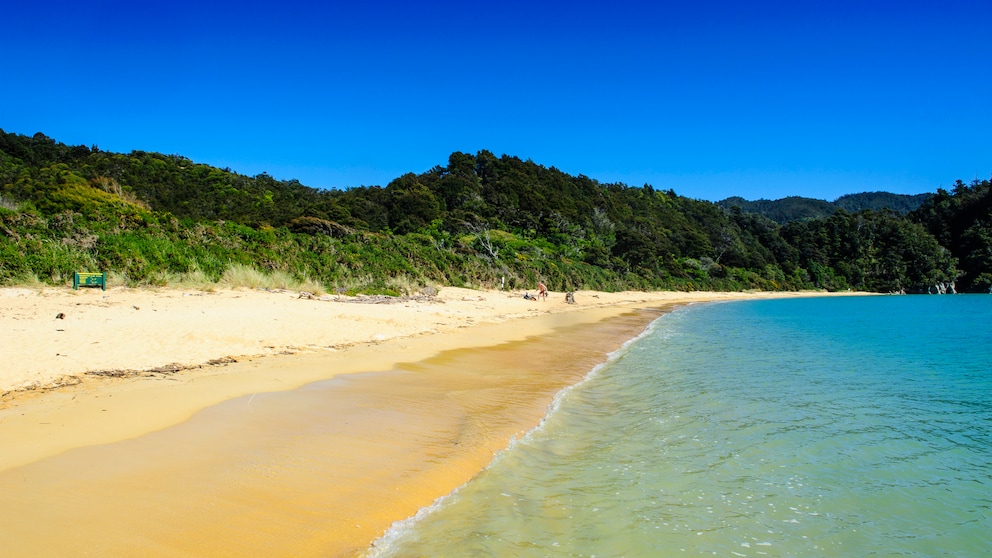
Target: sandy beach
[{"x": 88, "y": 374}]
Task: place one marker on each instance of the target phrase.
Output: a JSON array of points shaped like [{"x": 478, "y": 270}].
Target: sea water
[{"x": 853, "y": 426}]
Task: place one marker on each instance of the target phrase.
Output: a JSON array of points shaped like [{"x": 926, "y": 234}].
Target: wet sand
[{"x": 321, "y": 470}]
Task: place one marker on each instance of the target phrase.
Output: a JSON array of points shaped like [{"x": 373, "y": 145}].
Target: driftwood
[
  {"x": 130, "y": 372},
  {"x": 428, "y": 294},
  {"x": 59, "y": 382},
  {"x": 171, "y": 368},
  {"x": 383, "y": 299}
]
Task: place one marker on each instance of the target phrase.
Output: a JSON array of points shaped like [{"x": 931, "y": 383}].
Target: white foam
[{"x": 397, "y": 532}]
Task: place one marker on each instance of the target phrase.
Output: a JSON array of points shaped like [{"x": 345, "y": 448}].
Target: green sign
[{"x": 89, "y": 280}]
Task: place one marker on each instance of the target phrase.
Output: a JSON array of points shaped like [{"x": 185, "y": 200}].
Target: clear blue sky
[{"x": 711, "y": 99}]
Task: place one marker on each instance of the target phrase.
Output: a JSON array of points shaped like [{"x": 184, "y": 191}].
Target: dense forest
[
  {"x": 795, "y": 208},
  {"x": 478, "y": 221}
]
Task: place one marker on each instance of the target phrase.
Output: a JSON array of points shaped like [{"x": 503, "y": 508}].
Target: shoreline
[
  {"x": 38, "y": 425},
  {"x": 58, "y": 337},
  {"x": 265, "y": 341}
]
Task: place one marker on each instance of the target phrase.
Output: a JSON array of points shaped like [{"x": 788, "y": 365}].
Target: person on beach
[{"x": 542, "y": 291}]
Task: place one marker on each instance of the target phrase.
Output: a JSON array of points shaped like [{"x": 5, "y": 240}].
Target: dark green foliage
[
  {"x": 870, "y": 251},
  {"x": 315, "y": 225},
  {"x": 785, "y": 210},
  {"x": 878, "y": 201},
  {"x": 411, "y": 205},
  {"x": 795, "y": 208},
  {"x": 961, "y": 220},
  {"x": 481, "y": 220}
]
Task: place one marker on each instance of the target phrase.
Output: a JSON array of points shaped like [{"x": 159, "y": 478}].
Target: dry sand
[
  {"x": 54, "y": 337},
  {"x": 88, "y": 374}
]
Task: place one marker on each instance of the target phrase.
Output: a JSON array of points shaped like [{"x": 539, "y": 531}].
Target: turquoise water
[{"x": 805, "y": 427}]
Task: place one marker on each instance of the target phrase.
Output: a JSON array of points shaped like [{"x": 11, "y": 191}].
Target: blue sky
[{"x": 711, "y": 99}]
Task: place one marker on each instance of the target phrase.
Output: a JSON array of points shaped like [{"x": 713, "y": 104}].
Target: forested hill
[
  {"x": 795, "y": 208},
  {"x": 479, "y": 220}
]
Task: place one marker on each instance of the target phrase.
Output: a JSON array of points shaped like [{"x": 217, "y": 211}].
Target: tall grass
[{"x": 239, "y": 275}]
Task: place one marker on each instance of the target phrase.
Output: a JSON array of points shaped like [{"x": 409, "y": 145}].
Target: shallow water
[{"x": 803, "y": 427}]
